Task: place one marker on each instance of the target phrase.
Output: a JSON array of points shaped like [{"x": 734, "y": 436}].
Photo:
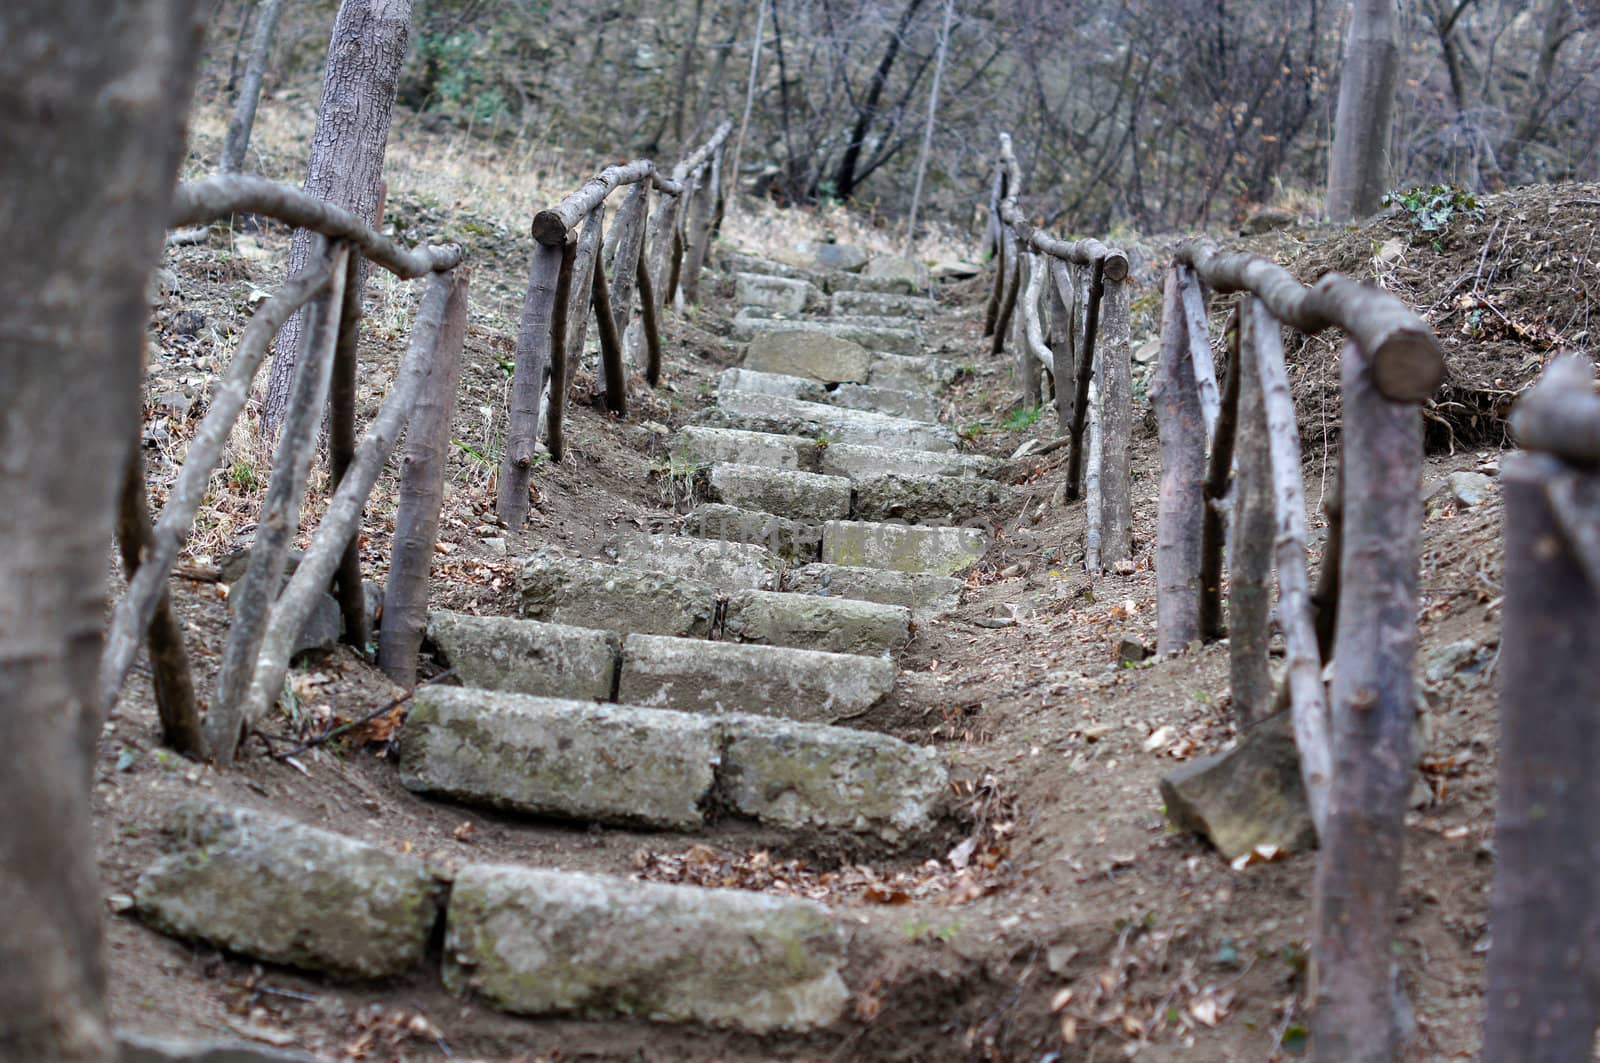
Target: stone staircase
[{"x": 710, "y": 673}]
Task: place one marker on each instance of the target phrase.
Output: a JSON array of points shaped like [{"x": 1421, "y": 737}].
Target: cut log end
[
  {"x": 549, "y": 229},
  {"x": 1408, "y": 366},
  {"x": 1116, "y": 266}
]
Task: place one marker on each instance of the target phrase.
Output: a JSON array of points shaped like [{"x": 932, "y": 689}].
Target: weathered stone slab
[
  {"x": 792, "y": 540},
  {"x": 146, "y": 1048},
  {"x": 773, "y": 413},
  {"x": 1247, "y": 796},
  {"x": 566, "y": 759},
  {"x": 846, "y": 258},
  {"x": 729, "y": 677},
  {"x": 899, "y": 340},
  {"x": 561, "y": 943},
  {"x": 912, "y": 405},
  {"x": 881, "y": 304},
  {"x": 788, "y": 349},
  {"x": 799, "y": 495},
  {"x": 921, "y": 592},
  {"x": 786, "y": 294},
  {"x": 827, "y": 280},
  {"x": 863, "y": 462},
  {"x": 838, "y": 625},
  {"x": 911, "y": 372},
  {"x": 927, "y": 499},
  {"x": 728, "y": 566},
  {"x": 696, "y": 445},
  {"x": 908, "y": 273},
  {"x": 904, "y": 548},
  {"x": 595, "y": 595},
  {"x": 756, "y": 382},
  {"x": 806, "y": 776},
  {"x": 526, "y": 656},
  {"x": 273, "y": 889}
]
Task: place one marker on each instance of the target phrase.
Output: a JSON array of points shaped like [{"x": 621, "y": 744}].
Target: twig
[{"x": 344, "y": 728}]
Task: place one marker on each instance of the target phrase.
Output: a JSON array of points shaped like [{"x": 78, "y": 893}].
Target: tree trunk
[
  {"x": 1219, "y": 480},
  {"x": 237, "y": 140},
  {"x": 347, "y": 587},
  {"x": 416, "y": 518},
  {"x": 1358, "y": 165},
  {"x": 1062, "y": 339},
  {"x": 701, "y": 207},
  {"x": 625, "y": 264},
  {"x": 744, "y": 122},
  {"x": 927, "y": 130},
  {"x": 528, "y": 382},
  {"x": 844, "y": 181},
  {"x": 1002, "y": 266},
  {"x": 685, "y": 68},
  {"x": 1541, "y": 1002},
  {"x": 93, "y": 100},
  {"x": 1183, "y": 464},
  {"x": 1116, "y": 425},
  {"x": 365, "y": 52},
  {"x": 1013, "y": 281},
  {"x": 613, "y": 373},
  {"x": 1086, "y": 373},
  {"x": 1374, "y": 708},
  {"x": 1250, "y": 560}
]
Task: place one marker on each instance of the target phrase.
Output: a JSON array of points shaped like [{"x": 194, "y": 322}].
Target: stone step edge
[{"x": 809, "y": 454}]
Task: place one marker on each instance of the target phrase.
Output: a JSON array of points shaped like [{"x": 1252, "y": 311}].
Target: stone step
[
  {"x": 810, "y": 686},
  {"x": 903, "y": 548},
  {"x": 772, "y": 413},
  {"x": 912, "y": 405},
  {"x": 926, "y": 499},
  {"x": 797, "y": 541},
  {"x": 593, "y": 594},
  {"x": 757, "y": 382},
  {"x": 663, "y": 769},
  {"x": 502, "y": 653},
  {"x": 827, "y": 280},
  {"x": 274, "y": 889},
  {"x": 881, "y": 304},
  {"x": 727, "y": 566},
  {"x": 785, "y": 492},
  {"x": 869, "y": 332},
  {"x": 701, "y": 445},
  {"x": 789, "y": 295},
  {"x": 560, "y": 943},
  {"x": 858, "y": 461},
  {"x": 911, "y": 372},
  {"x": 809, "y": 354},
  {"x": 837, "y": 625},
  {"x": 922, "y": 592}
]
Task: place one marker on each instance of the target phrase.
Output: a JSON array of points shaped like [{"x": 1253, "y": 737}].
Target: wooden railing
[
  {"x": 265, "y": 621},
  {"x": 565, "y": 281},
  {"x": 1073, "y": 354}
]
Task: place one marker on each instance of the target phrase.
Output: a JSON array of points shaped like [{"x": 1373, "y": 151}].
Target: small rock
[
  {"x": 844, "y": 257},
  {"x": 1247, "y": 796},
  {"x": 1125, "y": 567},
  {"x": 1148, "y": 351},
  {"x": 1131, "y": 651},
  {"x": 954, "y": 270},
  {"x": 1468, "y": 489},
  {"x": 188, "y": 322},
  {"x": 163, "y": 282},
  {"x": 908, "y": 274},
  {"x": 1269, "y": 218},
  {"x": 175, "y": 403}
]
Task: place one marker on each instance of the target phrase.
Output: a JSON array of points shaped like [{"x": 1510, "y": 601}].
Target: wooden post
[
  {"x": 1196, "y": 320},
  {"x": 652, "y": 328},
  {"x": 416, "y": 519},
  {"x": 1086, "y": 358},
  {"x": 1094, "y": 513},
  {"x": 1183, "y": 460},
  {"x": 528, "y": 386},
  {"x": 280, "y": 514},
  {"x": 347, "y": 587},
  {"x": 579, "y": 299},
  {"x": 1008, "y": 303},
  {"x": 613, "y": 373},
  {"x": 560, "y": 373},
  {"x": 1029, "y": 370},
  {"x": 1325, "y": 599},
  {"x": 1250, "y": 560},
  {"x": 630, "y": 247},
  {"x": 658, "y": 252},
  {"x": 1374, "y": 702},
  {"x": 1002, "y": 264},
  {"x": 169, "y": 660},
  {"x": 1116, "y": 425},
  {"x": 1062, "y": 339},
  {"x": 1307, "y": 699},
  {"x": 1219, "y": 480},
  {"x": 699, "y": 239},
  {"x": 749, "y": 103}
]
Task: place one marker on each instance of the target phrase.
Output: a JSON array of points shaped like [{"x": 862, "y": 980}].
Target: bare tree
[
  {"x": 92, "y": 103},
  {"x": 1358, "y": 167},
  {"x": 347, "y": 149},
  {"x": 237, "y": 140}
]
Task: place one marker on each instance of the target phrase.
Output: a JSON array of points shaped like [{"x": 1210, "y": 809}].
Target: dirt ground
[{"x": 1056, "y": 916}]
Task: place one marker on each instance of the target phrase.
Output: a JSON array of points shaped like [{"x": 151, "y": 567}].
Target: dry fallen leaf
[{"x": 1062, "y": 998}]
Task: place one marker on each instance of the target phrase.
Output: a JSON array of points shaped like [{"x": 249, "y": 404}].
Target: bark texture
[
  {"x": 237, "y": 140},
  {"x": 1183, "y": 461},
  {"x": 1374, "y": 706},
  {"x": 1116, "y": 425},
  {"x": 365, "y": 52},
  {"x": 1250, "y": 560},
  {"x": 1358, "y": 165},
  {"x": 528, "y": 382},
  {"x": 93, "y": 98},
  {"x": 1541, "y": 1002}
]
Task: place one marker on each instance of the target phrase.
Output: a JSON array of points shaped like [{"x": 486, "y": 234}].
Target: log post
[
  {"x": 1026, "y": 326},
  {"x": 630, "y": 247},
  {"x": 1094, "y": 512},
  {"x": 341, "y": 450},
  {"x": 579, "y": 298},
  {"x": 1308, "y": 702},
  {"x": 1250, "y": 560},
  {"x": 280, "y": 514},
  {"x": 528, "y": 385},
  {"x": 1541, "y": 1005},
  {"x": 613, "y": 373},
  {"x": 652, "y": 328},
  {"x": 1116, "y": 424},
  {"x": 169, "y": 660},
  {"x": 1086, "y": 358},
  {"x": 416, "y": 519},
  {"x": 658, "y": 251},
  {"x": 1219, "y": 480},
  {"x": 1002, "y": 264},
  {"x": 1197, "y": 321},
  {"x": 701, "y": 208},
  {"x": 1325, "y": 599},
  {"x": 1374, "y": 701},
  {"x": 556, "y": 407},
  {"x": 1061, "y": 340},
  {"x": 1008, "y": 302},
  {"x": 1183, "y": 459}
]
